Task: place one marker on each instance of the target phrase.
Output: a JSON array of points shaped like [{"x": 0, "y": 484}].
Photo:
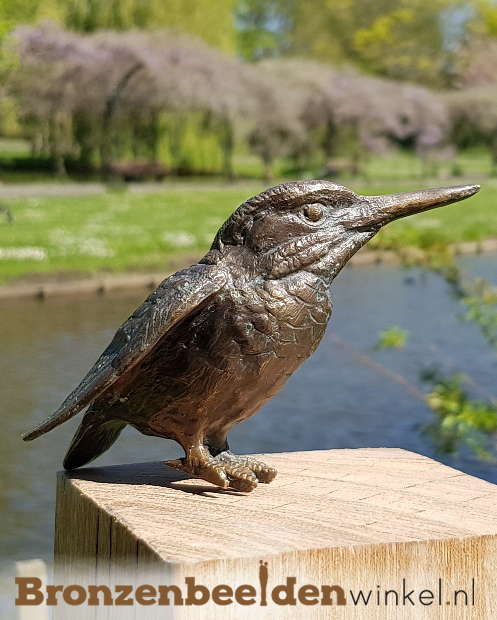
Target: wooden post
[{"x": 416, "y": 536}]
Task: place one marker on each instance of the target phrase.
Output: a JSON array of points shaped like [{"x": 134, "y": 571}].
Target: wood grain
[{"x": 354, "y": 518}]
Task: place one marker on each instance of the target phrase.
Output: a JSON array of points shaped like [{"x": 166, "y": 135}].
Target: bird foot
[
  {"x": 209, "y": 471},
  {"x": 226, "y": 470},
  {"x": 260, "y": 470}
]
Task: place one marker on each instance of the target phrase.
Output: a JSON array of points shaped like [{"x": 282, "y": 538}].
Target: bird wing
[{"x": 173, "y": 300}]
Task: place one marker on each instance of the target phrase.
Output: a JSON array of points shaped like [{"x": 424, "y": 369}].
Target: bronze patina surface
[{"x": 214, "y": 342}]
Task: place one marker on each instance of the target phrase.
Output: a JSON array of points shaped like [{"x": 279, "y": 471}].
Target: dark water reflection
[{"x": 332, "y": 402}]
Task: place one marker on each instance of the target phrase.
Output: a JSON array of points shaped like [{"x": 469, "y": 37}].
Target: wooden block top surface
[{"x": 320, "y": 499}]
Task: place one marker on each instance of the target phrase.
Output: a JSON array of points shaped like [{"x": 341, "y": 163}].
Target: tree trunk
[
  {"x": 55, "y": 154},
  {"x": 493, "y": 152},
  {"x": 175, "y": 139},
  {"x": 107, "y": 121},
  {"x": 268, "y": 169},
  {"x": 155, "y": 137},
  {"x": 358, "y": 152},
  {"x": 82, "y": 133},
  {"x": 330, "y": 141},
  {"x": 227, "y": 146}
]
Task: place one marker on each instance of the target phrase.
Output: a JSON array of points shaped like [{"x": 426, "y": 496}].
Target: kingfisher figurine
[{"x": 215, "y": 341}]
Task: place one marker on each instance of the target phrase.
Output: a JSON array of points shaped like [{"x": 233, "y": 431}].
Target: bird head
[{"x": 319, "y": 225}]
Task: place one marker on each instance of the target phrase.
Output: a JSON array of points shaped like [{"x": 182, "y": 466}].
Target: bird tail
[
  {"x": 62, "y": 414},
  {"x": 94, "y": 436}
]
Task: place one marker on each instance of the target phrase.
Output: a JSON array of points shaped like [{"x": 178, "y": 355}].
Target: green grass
[
  {"x": 113, "y": 231},
  {"x": 402, "y": 165},
  {"x": 13, "y": 146},
  {"x": 125, "y": 231}
]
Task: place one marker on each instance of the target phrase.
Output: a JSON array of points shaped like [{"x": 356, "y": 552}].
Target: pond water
[{"x": 333, "y": 401}]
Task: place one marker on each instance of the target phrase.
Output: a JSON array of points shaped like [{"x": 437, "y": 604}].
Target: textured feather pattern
[{"x": 182, "y": 293}]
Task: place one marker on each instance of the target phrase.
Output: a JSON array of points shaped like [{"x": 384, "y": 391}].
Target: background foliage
[
  {"x": 255, "y": 88},
  {"x": 190, "y": 84}
]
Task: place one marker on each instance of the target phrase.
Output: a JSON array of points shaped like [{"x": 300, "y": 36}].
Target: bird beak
[{"x": 376, "y": 211}]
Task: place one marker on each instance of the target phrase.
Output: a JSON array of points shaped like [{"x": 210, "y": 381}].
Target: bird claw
[
  {"x": 175, "y": 464},
  {"x": 260, "y": 471},
  {"x": 241, "y": 478},
  {"x": 210, "y": 472},
  {"x": 241, "y": 473}
]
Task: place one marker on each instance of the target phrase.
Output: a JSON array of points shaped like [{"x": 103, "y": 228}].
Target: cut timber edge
[{"x": 366, "y": 519}]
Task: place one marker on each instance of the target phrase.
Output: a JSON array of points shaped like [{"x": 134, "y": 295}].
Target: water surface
[{"x": 333, "y": 401}]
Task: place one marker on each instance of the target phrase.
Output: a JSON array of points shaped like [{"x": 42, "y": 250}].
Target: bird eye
[{"x": 313, "y": 212}]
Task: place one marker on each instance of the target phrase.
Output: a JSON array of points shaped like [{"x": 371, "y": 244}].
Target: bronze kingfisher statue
[{"x": 214, "y": 342}]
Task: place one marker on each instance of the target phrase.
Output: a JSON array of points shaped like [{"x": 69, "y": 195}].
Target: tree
[
  {"x": 276, "y": 124},
  {"x": 100, "y": 96},
  {"x": 84, "y": 92},
  {"x": 212, "y": 22},
  {"x": 422, "y": 121},
  {"x": 264, "y": 28},
  {"x": 346, "y": 112},
  {"x": 191, "y": 77},
  {"x": 400, "y": 39},
  {"x": 14, "y": 12},
  {"x": 485, "y": 22},
  {"x": 473, "y": 114},
  {"x": 52, "y": 81},
  {"x": 476, "y": 62}
]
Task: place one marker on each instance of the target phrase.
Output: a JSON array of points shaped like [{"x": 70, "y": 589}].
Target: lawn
[{"x": 119, "y": 231}]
